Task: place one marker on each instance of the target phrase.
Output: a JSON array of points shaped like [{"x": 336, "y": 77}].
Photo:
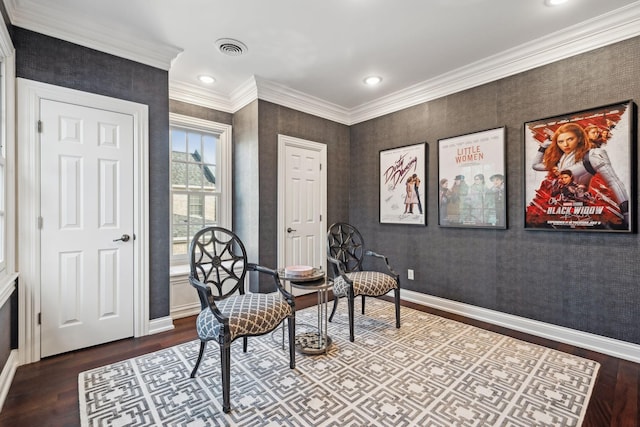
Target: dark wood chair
[
  {"x": 346, "y": 252},
  {"x": 219, "y": 265}
]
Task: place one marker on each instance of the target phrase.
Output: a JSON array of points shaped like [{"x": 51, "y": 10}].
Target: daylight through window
[{"x": 200, "y": 167}]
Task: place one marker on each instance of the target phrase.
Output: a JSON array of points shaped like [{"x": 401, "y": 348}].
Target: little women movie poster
[
  {"x": 578, "y": 170},
  {"x": 472, "y": 180}
]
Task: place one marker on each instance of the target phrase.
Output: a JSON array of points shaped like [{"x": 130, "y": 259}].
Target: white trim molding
[
  {"x": 160, "y": 324},
  {"x": 7, "y": 374},
  {"x": 612, "y": 27},
  {"x": 610, "y": 346},
  {"x": 49, "y": 20},
  {"x": 7, "y": 286},
  {"x": 615, "y": 26}
]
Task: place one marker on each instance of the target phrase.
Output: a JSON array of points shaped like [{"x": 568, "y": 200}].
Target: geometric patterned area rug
[{"x": 431, "y": 372}]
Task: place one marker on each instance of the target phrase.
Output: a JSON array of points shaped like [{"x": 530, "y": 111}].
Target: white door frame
[
  {"x": 283, "y": 142},
  {"x": 28, "y": 149}
]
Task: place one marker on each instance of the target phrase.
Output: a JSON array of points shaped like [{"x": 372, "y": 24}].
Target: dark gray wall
[
  {"x": 256, "y": 129},
  {"x": 246, "y": 183},
  {"x": 49, "y": 60},
  {"x": 583, "y": 281},
  {"x": 274, "y": 120}
]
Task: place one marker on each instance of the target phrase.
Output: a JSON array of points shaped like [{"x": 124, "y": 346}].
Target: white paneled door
[
  {"x": 303, "y": 200},
  {"x": 87, "y": 210}
]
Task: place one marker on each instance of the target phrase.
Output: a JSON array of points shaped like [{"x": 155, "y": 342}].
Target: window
[
  {"x": 200, "y": 180},
  {"x": 3, "y": 212},
  {"x": 7, "y": 164}
]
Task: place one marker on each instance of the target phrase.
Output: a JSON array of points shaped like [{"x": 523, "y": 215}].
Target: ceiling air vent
[{"x": 231, "y": 47}]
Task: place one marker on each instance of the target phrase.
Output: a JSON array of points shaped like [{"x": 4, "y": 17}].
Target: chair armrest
[
  {"x": 207, "y": 300},
  {"x": 386, "y": 261},
  {"x": 338, "y": 269},
  {"x": 276, "y": 279}
]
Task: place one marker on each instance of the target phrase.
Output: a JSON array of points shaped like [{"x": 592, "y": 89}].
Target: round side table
[{"x": 316, "y": 341}]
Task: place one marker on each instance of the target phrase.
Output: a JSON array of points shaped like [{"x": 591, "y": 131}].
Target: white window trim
[
  {"x": 224, "y": 165},
  {"x": 7, "y": 104}
]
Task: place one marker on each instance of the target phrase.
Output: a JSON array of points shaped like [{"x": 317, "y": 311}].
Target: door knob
[
  {"x": 289, "y": 230},
  {"x": 124, "y": 238}
]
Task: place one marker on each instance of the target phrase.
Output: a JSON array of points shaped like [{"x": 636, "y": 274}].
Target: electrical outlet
[{"x": 410, "y": 274}]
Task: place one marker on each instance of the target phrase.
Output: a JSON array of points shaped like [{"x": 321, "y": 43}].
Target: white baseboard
[
  {"x": 6, "y": 377},
  {"x": 185, "y": 310},
  {"x": 610, "y": 346},
  {"x": 161, "y": 324}
]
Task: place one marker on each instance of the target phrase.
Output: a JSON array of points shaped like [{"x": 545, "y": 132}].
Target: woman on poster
[
  {"x": 410, "y": 198},
  {"x": 571, "y": 149}
]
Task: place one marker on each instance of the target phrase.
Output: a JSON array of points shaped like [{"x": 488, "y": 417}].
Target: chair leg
[
  {"x": 203, "y": 346},
  {"x": 291, "y": 321},
  {"x": 363, "y": 304},
  {"x": 335, "y": 305},
  {"x": 245, "y": 341},
  {"x": 351, "y": 304},
  {"x": 397, "y": 298},
  {"x": 225, "y": 359}
]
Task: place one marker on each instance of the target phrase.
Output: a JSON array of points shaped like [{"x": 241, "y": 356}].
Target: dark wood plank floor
[{"x": 46, "y": 393}]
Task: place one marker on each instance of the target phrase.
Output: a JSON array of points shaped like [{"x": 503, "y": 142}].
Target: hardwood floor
[{"x": 46, "y": 393}]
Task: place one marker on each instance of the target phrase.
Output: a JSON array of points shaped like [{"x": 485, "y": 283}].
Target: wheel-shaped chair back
[
  {"x": 345, "y": 243},
  {"x": 218, "y": 259}
]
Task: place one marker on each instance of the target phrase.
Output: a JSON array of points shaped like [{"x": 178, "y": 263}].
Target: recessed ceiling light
[
  {"x": 372, "y": 80},
  {"x": 206, "y": 79},
  {"x": 554, "y": 2}
]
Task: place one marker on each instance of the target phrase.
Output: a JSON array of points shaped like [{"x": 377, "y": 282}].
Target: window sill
[{"x": 179, "y": 270}]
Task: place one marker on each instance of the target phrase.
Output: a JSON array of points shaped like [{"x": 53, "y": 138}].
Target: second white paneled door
[{"x": 302, "y": 202}]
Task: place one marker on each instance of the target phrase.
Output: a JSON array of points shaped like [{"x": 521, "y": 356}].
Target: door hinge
[
  {"x": 320, "y": 166},
  {"x": 39, "y": 318},
  {"x": 320, "y": 217},
  {"x": 40, "y": 220},
  {"x": 39, "y": 126}
]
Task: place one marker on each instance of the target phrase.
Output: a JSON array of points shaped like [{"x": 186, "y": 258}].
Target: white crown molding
[
  {"x": 196, "y": 95},
  {"x": 615, "y": 26},
  {"x": 610, "y": 346},
  {"x": 291, "y": 98},
  {"x": 604, "y": 30},
  {"x": 49, "y": 21},
  {"x": 244, "y": 94},
  {"x": 621, "y": 24}
]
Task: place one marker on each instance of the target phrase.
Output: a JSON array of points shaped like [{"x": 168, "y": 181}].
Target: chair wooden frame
[
  {"x": 346, "y": 253},
  {"x": 218, "y": 259}
]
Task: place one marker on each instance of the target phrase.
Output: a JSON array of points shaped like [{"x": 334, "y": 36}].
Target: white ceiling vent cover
[{"x": 231, "y": 47}]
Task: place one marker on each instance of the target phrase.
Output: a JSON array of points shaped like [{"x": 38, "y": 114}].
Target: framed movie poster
[
  {"x": 580, "y": 171},
  {"x": 402, "y": 185},
  {"x": 472, "y": 180}
]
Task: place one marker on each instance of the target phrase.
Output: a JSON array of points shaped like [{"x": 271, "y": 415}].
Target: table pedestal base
[{"x": 312, "y": 343}]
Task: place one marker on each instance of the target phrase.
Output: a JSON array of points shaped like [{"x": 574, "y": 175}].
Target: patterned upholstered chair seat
[
  {"x": 371, "y": 283},
  {"x": 249, "y": 314}
]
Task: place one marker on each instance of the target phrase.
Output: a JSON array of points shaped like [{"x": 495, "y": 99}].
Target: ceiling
[{"x": 314, "y": 55}]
